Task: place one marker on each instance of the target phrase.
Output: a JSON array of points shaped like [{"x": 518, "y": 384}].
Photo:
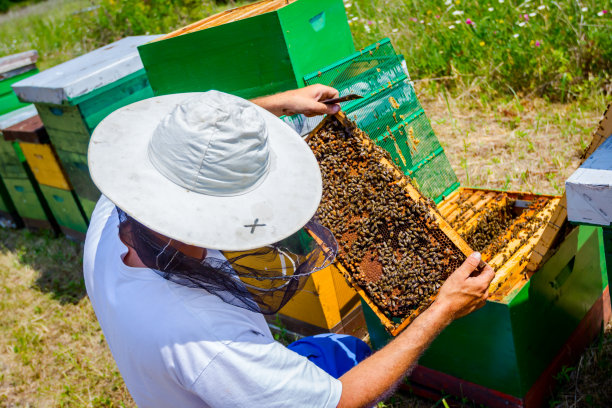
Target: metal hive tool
[{"x": 394, "y": 248}]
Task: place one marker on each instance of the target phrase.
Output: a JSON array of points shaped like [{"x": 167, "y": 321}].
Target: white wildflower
[
  {"x": 584, "y": 9},
  {"x": 395, "y": 30},
  {"x": 516, "y": 36},
  {"x": 501, "y": 1},
  {"x": 521, "y": 24},
  {"x": 355, "y": 18},
  {"x": 542, "y": 7},
  {"x": 457, "y": 22},
  {"x": 457, "y": 12},
  {"x": 447, "y": 2},
  {"x": 490, "y": 8},
  {"x": 532, "y": 14},
  {"x": 366, "y": 28},
  {"x": 348, "y": 5},
  {"x": 600, "y": 14},
  {"x": 450, "y": 27}
]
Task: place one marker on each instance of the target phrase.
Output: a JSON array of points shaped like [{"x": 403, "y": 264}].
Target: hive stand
[
  {"x": 18, "y": 180},
  {"x": 250, "y": 51},
  {"x": 73, "y": 97},
  {"x": 545, "y": 307},
  {"x": 40, "y": 156}
]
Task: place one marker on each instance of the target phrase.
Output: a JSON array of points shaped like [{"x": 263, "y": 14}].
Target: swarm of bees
[{"x": 390, "y": 244}]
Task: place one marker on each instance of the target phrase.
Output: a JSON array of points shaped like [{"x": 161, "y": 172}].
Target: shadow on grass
[{"x": 57, "y": 261}]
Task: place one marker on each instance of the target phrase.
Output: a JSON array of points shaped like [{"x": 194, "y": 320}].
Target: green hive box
[
  {"x": 73, "y": 97},
  {"x": 250, "y": 56},
  {"x": 67, "y": 211},
  {"x": 507, "y": 346},
  {"x": 507, "y": 353},
  {"x": 14, "y": 68}
]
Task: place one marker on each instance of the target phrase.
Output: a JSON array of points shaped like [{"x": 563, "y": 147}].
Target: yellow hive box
[
  {"x": 326, "y": 304},
  {"x": 45, "y": 165}
]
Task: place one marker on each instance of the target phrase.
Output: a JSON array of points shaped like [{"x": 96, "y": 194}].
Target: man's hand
[
  {"x": 304, "y": 100},
  {"x": 466, "y": 289}
]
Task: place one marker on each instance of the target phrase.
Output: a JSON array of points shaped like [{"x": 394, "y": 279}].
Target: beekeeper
[{"x": 205, "y": 224}]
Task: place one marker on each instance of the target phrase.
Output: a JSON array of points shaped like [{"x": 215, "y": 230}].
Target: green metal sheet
[
  {"x": 65, "y": 208},
  {"x": 256, "y": 56}
]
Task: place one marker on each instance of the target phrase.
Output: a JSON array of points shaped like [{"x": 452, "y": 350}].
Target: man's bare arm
[
  {"x": 304, "y": 100},
  {"x": 371, "y": 379}
]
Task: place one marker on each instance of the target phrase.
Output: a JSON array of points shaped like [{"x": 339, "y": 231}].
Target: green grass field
[{"x": 514, "y": 91}]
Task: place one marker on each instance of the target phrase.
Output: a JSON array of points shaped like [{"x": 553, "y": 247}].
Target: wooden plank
[
  {"x": 16, "y": 116},
  {"x": 444, "y": 207},
  {"x": 474, "y": 198},
  {"x": 517, "y": 262},
  {"x": 549, "y": 236},
  {"x": 603, "y": 131},
  {"x": 15, "y": 61}
]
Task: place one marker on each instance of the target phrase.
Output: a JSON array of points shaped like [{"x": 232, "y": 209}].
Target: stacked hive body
[
  {"x": 21, "y": 195},
  {"x": 256, "y": 50},
  {"x": 31, "y": 138},
  {"x": 250, "y": 51},
  {"x": 545, "y": 303},
  {"x": 73, "y": 97}
]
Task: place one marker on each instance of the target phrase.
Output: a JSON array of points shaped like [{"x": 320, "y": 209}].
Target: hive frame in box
[{"x": 415, "y": 195}]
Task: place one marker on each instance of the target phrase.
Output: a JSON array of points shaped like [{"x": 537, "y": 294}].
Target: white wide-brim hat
[{"x": 207, "y": 169}]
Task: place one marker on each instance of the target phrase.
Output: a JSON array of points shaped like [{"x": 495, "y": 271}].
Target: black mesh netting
[{"x": 262, "y": 280}]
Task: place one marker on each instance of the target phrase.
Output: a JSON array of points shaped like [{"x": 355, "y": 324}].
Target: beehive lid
[
  {"x": 82, "y": 75},
  {"x": 16, "y": 63},
  {"x": 16, "y": 116},
  {"x": 589, "y": 189},
  {"x": 391, "y": 115}
]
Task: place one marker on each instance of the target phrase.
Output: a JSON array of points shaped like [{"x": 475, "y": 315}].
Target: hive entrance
[{"x": 392, "y": 245}]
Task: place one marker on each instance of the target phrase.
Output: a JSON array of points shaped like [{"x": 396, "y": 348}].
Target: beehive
[
  {"x": 14, "y": 68},
  {"x": 545, "y": 303},
  {"x": 73, "y": 97},
  {"x": 48, "y": 172},
  {"x": 250, "y": 51}
]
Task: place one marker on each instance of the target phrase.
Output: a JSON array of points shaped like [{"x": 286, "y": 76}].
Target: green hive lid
[
  {"x": 82, "y": 75},
  {"x": 19, "y": 115},
  {"x": 391, "y": 114},
  {"x": 13, "y": 65}
]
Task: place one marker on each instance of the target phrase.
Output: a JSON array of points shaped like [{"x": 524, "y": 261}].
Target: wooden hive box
[
  {"x": 18, "y": 181},
  {"x": 73, "y": 97},
  {"x": 14, "y": 68},
  {"x": 254, "y": 50},
  {"x": 40, "y": 156},
  {"x": 550, "y": 294}
]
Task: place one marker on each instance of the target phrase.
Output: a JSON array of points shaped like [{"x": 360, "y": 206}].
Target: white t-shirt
[{"x": 183, "y": 347}]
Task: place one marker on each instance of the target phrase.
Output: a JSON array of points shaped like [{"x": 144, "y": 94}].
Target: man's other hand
[
  {"x": 304, "y": 100},
  {"x": 466, "y": 289}
]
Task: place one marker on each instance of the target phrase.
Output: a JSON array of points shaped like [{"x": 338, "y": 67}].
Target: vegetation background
[{"x": 514, "y": 90}]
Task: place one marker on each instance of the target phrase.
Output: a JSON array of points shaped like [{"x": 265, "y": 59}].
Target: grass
[{"x": 511, "y": 113}]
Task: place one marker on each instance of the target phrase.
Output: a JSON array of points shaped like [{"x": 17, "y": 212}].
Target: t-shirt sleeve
[{"x": 251, "y": 374}]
